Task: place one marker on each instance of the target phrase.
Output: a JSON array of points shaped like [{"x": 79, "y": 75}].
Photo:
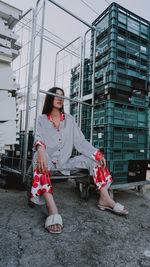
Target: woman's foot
[
  {"x": 105, "y": 199},
  {"x": 55, "y": 228},
  {"x": 105, "y": 202},
  {"x": 54, "y": 223}
]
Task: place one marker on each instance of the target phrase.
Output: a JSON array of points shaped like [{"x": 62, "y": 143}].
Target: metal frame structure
[
  {"x": 80, "y": 73},
  {"x": 39, "y": 74}
]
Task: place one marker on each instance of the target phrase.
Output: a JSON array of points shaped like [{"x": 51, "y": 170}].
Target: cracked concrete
[{"x": 90, "y": 237}]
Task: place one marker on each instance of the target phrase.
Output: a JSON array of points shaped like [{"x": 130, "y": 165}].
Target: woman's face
[{"x": 58, "y": 102}]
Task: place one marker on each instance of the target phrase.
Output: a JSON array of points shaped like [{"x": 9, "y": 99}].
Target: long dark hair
[{"x": 48, "y": 103}]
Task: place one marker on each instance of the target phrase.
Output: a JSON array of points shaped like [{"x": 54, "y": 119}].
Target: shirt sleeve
[
  {"x": 39, "y": 139},
  {"x": 84, "y": 147}
]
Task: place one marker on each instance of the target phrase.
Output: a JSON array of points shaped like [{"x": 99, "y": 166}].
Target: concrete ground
[{"x": 90, "y": 237}]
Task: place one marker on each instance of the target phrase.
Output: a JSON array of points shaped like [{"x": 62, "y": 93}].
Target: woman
[{"x": 57, "y": 134}]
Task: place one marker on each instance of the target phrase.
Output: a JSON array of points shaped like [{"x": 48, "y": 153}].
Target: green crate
[
  {"x": 117, "y": 154},
  {"x": 118, "y": 166},
  {"x": 118, "y": 171},
  {"x": 119, "y": 113},
  {"x": 120, "y": 137},
  {"x": 120, "y": 178},
  {"x": 137, "y": 101}
]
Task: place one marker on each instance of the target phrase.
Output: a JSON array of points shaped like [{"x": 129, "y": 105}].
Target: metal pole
[
  {"x": 20, "y": 120},
  {"x": 80, "y": 83},
  {"x": 55, "y": 73},
  {"x": 69, "y": 45},
  {"x": 57, "y": 56},
  {"x": 28, "y": 96},
  {"x": 65, "y": 97},
  {"x": 73, "y": 15},
  {"x": 93, "y": 85},
  {"x": 39, "y": 68},
  {"x": 82, "y": 79},
  {"x": 31, "y": 9}
]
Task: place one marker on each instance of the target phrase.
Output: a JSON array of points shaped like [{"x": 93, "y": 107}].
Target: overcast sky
[{"x": 139, "y": 7}]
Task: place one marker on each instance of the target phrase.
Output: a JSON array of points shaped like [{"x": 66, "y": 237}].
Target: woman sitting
[{"x": 57, "y": 134}]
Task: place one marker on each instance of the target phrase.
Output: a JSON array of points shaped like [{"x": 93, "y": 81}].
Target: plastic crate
[
  {"x": 117, "y": 154},
  {"x": 118, "y": 170},
  {"x": 118, "y": 113},
  {"x": 115, "y": 137},
  {"x": 102, "y": 94},
  {"x": 137, "y": 101},
  {"x": 123, "y": 18},
  {"x": 137, "y": 170}
]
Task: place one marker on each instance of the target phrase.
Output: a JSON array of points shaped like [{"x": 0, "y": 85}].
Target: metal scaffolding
[
  {"x": 39, "y": 90},
  {"x": 32, "y": 70}
]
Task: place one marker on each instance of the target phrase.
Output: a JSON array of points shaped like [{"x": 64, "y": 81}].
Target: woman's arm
[
  {"x": 40, "y": 147},
  {"x": 39, "y": 139},
  {"x": 85, "y": 148},
  {"x": 42, "y": 162}
]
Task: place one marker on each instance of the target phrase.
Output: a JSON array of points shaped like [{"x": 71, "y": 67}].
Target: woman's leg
[
  {"x": 100, "y": 177},
  {"x": 41, "y": 193},
  {"x": 103, "y": 180},
  {"x": 105, "y": 199},
  {"x": 52, "y": 209}
]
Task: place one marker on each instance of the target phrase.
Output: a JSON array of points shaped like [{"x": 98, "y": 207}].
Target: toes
[
  {"x": 54, "y": 228},
  {"x": 125, "y": 211},
  {"x": 58, "y": 227}
]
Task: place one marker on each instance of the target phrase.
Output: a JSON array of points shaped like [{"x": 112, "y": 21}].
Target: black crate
[
  {"x": 121, "y": 95},
  {"x": 112, "y": 93},
  {"x": 137, "y": 170}
]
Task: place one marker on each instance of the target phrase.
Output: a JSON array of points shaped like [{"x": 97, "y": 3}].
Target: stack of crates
[
  {"x": 74, "y": 86},
  {"x": 86, "y": 121},
  {"x": 122, "y": 55},
  {"x": 122, "y": 85},
  {"x": 122, "y": 82},
  {"x": 74, "y": 82},
  {"x": 121, "y": 133}
]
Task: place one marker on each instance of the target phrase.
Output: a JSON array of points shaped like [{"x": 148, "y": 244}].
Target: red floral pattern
[
  {"x": 101, "y": 177},
  {"x": 44, "y": 179},
  {"x": 41, "y": 183},
  {"x": 98, "y": 155}
]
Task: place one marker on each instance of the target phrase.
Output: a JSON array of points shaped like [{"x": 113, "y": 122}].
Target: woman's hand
[
  {"x": 99, "y": 157},
  {"x": 103, "y": 162},
  {"x": 42, "y": 162}
]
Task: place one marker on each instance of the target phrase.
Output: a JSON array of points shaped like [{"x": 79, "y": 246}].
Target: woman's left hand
[{"x": 103, "y": 162}]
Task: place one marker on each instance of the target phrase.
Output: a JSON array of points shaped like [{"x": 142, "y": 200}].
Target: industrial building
[{"x": 9, "y": 50}]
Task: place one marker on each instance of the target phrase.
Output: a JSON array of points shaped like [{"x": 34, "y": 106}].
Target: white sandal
[
  {"x": 52, "y": 220},
  {"x": 118, "y": 209}
]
